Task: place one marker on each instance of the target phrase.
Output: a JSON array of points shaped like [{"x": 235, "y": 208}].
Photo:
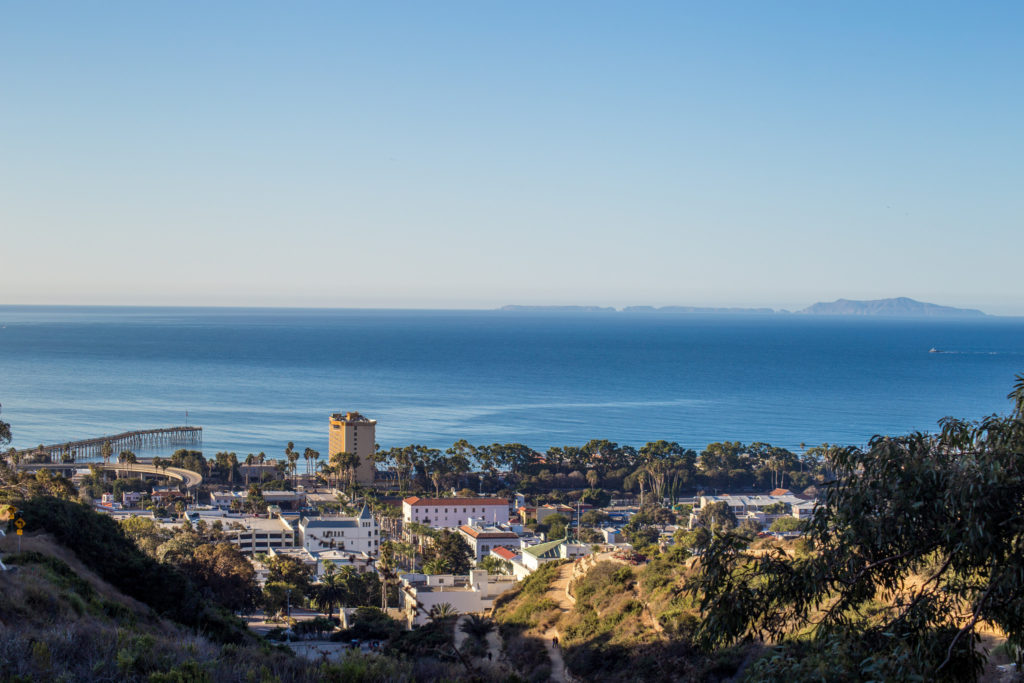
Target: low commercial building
[
  {"x": 473, "y": 594},
  {"x": 450, "y": 513},
  {"x": 361, "y": 562},
  {"x": 300, "y": 555},
  {"x": 286, "y": 500},
  {"x": 763, "y": 509},
  {"x": 250, "y": 533}
]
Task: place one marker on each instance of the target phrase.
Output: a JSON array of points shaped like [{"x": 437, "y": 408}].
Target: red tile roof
[
  {"x": 416, "y": 500},
  {"x": 504, "y": 553}
]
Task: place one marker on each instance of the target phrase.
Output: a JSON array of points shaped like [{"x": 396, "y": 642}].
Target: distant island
[{"x": 900, "y": 307}]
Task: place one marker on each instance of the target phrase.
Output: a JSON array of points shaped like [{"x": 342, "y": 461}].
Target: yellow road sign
[
  {"x": 20, "y": 532},
  {"x": 20, "y": 523}
]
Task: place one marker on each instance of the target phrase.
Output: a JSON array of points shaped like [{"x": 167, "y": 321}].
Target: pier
[{"x": 126, "y": 441}]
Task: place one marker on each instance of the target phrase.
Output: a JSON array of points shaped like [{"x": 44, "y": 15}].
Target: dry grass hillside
[{"x": 60, "y": 621}]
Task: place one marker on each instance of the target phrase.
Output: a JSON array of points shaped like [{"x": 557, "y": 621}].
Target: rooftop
[
  {"x": 487, "y": 532},
  {"x": 351, "y": 416},
  {"x": 545, "y": 549},
  {"x": 416, "y": 500},
  {"x": 504, "y": 553}
]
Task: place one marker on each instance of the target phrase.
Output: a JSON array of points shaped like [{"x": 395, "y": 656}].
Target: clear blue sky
[{"x": 448, "y": 154}]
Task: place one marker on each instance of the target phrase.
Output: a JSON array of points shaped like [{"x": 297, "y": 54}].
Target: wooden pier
[{"x": 126, "y": 441}]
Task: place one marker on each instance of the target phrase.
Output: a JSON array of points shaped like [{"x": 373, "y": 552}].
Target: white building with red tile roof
[
  {"x": 505, "y": 553},
  {"x": 450, "y": 513}
]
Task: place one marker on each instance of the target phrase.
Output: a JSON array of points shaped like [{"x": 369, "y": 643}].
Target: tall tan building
[{"x": 353, "y": 433}]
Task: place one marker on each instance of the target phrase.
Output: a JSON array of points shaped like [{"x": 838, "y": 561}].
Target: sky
[{"x": 476, "y": 154}]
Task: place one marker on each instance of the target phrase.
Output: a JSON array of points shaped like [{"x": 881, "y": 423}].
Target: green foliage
[
  {"x": 716, "y": 516},
  {"x": 449, "y": 552},
  {"x": 100, "y": 544},
  {"x": 786, "y": 524},
  {"x": 190, "y": 460},
  {"x": 371, "y": 623},
  {"x": 495, "y": 565},
  {"x": 948, "y": 506}
]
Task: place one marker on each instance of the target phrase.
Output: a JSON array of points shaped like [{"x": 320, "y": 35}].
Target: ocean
[{"x": 255, "y": 379}]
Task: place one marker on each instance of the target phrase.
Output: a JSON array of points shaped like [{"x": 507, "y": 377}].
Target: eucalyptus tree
[{"x": 913, "y": 548}]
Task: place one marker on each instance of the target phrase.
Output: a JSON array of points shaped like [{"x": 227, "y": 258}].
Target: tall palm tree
[
  {"x": 310, "y": 455},
  {"x": 346, "y": 462},
  {"x": 332, "y": 590}
]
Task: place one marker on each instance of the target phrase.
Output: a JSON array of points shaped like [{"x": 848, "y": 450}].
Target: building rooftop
[
  {"x": 331, "y": 522},
  {"x": 487, "y": 532},
  {"x": 504, "y": 553},
  {"x": 545, "y": 550},
  {"x": 416, "y": 500},
  {"x": 351, "y": 416}
]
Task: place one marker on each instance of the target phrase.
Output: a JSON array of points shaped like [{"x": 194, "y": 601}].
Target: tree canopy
[{"x": 916, "y": 545}]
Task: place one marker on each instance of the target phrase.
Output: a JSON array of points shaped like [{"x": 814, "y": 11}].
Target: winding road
[{"x": 189, "y": 478}]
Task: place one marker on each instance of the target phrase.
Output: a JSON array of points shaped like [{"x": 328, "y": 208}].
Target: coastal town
[{"x": 416, "y": 528}]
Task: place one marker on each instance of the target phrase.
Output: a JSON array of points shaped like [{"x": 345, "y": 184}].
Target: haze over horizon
[{"x": 469, "y": 156}]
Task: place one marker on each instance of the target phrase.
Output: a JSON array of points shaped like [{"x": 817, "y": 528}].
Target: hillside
[
  {"x": 59, "y": 620},
  {"x": 625, "y": 624},
  {"x": 81, "y": 603},
  {"x": 898, "y": 307}
]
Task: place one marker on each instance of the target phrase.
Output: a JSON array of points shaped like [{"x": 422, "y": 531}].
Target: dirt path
[{"x": 557, "y": 593}]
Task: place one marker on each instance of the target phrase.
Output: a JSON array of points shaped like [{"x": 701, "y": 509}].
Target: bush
[{"x": 98, "y": 541}]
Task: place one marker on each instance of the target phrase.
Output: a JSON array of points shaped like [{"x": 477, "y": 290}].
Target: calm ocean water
[{"x": 258, "y": 378}]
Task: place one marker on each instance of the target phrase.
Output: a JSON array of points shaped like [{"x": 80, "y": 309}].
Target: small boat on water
[{"x": 934, "y": 350}]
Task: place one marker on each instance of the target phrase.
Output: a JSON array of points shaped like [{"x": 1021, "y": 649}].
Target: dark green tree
[
  {"x": 916, "y": 545},
  {"x": 450, "y": 551}
]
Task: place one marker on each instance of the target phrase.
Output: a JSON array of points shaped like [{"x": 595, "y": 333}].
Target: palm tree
[
  {"x": 346, "y": 462},
  {"x": 310, "y": 455},
  {"x": 292, "y": 457},
  {"x": 442, "y": 611},
  {"x": 435, "y": 566},
  {"x": 106, "y": 450},
  {"x": 127, "y": 457},
  {"x": 331, "y": 591},
  {"x": 477, "y": 627}
]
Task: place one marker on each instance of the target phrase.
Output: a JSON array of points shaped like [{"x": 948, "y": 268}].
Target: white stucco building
[
  {"x": 471, "y": 594},
  {"x": 359, "y": 534},
  {"x": 449, "y": 513}
]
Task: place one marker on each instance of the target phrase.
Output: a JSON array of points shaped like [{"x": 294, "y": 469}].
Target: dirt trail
[{"x": 557, "y": 593}]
